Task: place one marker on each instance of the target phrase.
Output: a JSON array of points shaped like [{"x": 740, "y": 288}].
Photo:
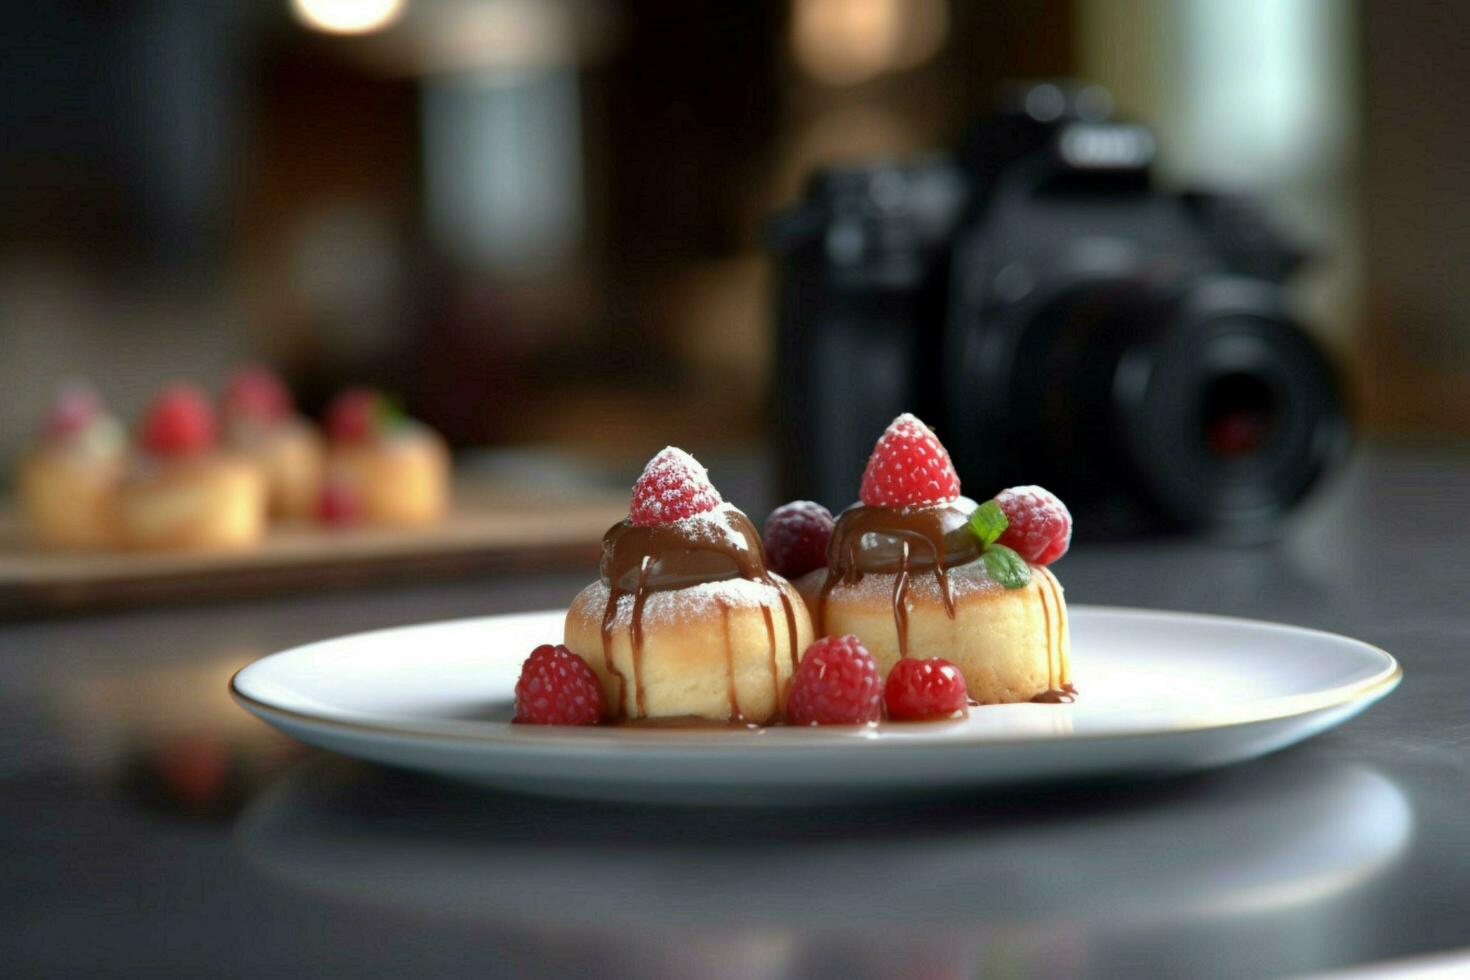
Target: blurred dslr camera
[{"x": 1059, "y": 320}]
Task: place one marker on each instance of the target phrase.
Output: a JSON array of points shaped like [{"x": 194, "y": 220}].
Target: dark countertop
[{"x": 148, "y": 827}]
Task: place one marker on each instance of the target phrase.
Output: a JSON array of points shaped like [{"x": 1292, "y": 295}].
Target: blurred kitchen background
[{"x": 541, "y": 221}]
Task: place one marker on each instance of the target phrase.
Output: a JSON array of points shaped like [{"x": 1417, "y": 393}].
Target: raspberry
[
  {"x": 557, "y": 688},
  {"x": 337, "y": 504},
  {"x": 908, "y": 468},
  {"x": 178, "y": 422},
  {"x": 836, "y": 684},
  {"x": 1040, "y": 527},
  {"x": 673, "y": 486},
  {"x": 918, "y": 690},
  {"x": 75, "y": 408},
  {"x": 255, "y": 392},
  {"x": 354, "y": 415},
  {"x": 194, "y": 768},
  {"x": 796, "y": 537}
]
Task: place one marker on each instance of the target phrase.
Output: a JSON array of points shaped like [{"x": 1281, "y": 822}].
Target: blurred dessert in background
[
  {"x": 180, "y": 490},
  {"x": 382, "y": 467},
  {"x": 261, "y": 424},
  {"x": 195, "y": 480},
  {"x": 66, "y": 481}
]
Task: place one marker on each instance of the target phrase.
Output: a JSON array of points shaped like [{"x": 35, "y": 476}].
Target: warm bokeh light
[
  {"x": 347, "y": 16},
  {"x": 845, "y": 42}
]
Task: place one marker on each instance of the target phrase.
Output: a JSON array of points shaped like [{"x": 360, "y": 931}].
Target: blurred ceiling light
[
  {"x": 500, "y": 34},
  {"x": 347, "y": 16},
  {"x": 447, "y": 37},
  {"x": 846, "y": 42}
]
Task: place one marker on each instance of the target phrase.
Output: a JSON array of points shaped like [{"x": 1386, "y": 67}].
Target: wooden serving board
[{"x": 489, "y": 530}]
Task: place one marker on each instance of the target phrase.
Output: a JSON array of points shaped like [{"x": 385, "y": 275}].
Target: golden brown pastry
[
  {"x": 67, "y": 480},
  {"x": 382, "y": 468},
  {"x": 182, "y": 493},
  {"x": 261, "y": 425},
  {"x": 686, "y": 621}
]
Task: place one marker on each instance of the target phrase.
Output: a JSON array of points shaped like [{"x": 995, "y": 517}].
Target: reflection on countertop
[{"x": 1058, "y": 883}]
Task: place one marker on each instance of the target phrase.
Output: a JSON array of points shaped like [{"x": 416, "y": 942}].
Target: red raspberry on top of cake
[
  {"x": 261, "y": 423},
  {"x": 183, "y": 494},
  {"x": 909, "y": 468},
  {"x": 674, "y": 485},
  {"x": 76, "y": 407},
  {"x": 356, "y": 415},
  {"x": 256, "y": 392},
  {"x": 178, "y": 422},
  {"x": 65, "y": 482},
  {"x": 394, "y": 468}
]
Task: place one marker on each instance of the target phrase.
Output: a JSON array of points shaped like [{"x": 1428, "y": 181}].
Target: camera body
[{"x": 1058, "y": 320}]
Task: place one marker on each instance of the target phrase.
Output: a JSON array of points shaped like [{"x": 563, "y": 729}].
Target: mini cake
[
  {"x": 261, "y": 425},
  {"x": 382, "y": 467},
  {"x": 180, "y": 492},
  {"x": 67, "y": 480},
  {"x": 686, "y": 621},
  {"x": 917, "y": 570}
]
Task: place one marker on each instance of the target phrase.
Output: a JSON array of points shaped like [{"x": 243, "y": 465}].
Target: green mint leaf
[
  {"x": 390, "y": 413},
  {"x": 988, "y": 522},
  {"x": 1006, "y": 567}
]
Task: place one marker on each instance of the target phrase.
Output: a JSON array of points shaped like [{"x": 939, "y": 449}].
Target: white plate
[{"x": 1160, "y": 693}]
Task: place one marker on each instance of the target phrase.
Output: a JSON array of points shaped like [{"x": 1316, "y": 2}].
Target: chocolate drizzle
[
  {"x": 885, "y": 540},
  {"x": 640, "y": 596},
  {"x": 900, "y": 593},
  {"x": 1059, "y": 689},
  {"x": 1051, "y": 653},
  {"x": 735, "y": 717},
  {"x": 712, "y": 547}
]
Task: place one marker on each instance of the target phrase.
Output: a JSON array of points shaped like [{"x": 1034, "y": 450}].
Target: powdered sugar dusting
[
  {"x": 675, "y": 606},
  {"x": 674, "y": 486},
  {"x": 964, "y": 580},
  {"x": 714, "y": 527}
]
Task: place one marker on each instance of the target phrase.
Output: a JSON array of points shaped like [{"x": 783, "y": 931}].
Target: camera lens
[
  {"x": 1201, "y": 400},
  {"x": 1239, "y": 415}
]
